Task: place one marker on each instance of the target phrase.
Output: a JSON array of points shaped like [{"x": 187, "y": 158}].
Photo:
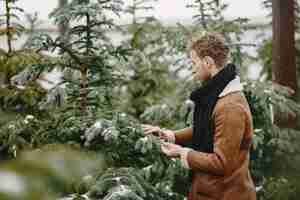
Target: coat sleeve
[
  {"x": 229, "y": 129},
  {"x": 183, "y": 135}
]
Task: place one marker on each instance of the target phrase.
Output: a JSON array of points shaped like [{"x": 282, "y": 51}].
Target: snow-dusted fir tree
[
  {"x": 10, "y": 27},
  {"x": 147, "y": 69},
  {"x": 89, "y": 51},
  {"x": 33, "y": 27},
  {"x": 16, "y": 82}
]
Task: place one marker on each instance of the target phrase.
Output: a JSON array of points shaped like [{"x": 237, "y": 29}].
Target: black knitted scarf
[{"x": 205, "y": 99}]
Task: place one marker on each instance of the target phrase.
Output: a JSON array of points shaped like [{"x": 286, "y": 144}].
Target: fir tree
[
  {"x": 33, "y": 29},
  {"x": 63, "y": 28},
  {"x": 88, "y": 51},
  {"x": 10, "y": 21},
  {"x": 15, "y": 96},
  {"x": 147, "y": 68}
]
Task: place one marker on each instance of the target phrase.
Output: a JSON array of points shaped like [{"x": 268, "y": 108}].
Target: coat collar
[
  {"x": 233, "y": 86},
  {"x": 211, "y": 88}
]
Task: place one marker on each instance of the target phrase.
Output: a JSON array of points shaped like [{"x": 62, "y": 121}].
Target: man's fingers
[
  {"x": 166, "y": 144},
  {"x": 149, "y": 132},
  {"x": 165, "y": 150},
  {"x": 146, "y": 133},
  {"x": 147, "y": 129},
  {"x": 163, "y": 136},
  {"x": 147, "y": 126}
]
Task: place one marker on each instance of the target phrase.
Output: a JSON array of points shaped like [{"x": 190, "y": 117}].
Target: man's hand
[
  {"x": 164, "y": 134},
  {"x": 174, "y": 150},
  {"x": 171, "y": 150},
  {"x": 149, "y": 129}
]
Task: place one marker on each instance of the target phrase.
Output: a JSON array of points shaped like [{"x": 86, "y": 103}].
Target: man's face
[{"x": 200, "y": 69}]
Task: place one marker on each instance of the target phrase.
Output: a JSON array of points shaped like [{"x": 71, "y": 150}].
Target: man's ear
[{"x": 209, "y": 61}]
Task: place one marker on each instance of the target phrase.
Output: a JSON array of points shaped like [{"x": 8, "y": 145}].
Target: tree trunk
[
  {"x": 8, "y": 28},
  {"x": 83, "y": 89},
  {"x": 284, "y": 58}
]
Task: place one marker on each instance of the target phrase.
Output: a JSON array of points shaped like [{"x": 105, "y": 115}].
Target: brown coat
[{"x": 224, "y": 174}]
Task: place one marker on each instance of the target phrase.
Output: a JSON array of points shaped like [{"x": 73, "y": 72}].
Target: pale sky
[{"x": 173, "y": 10}]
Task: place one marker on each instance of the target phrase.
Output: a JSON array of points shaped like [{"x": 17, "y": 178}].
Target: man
[{"x": 221, "y": 134}]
